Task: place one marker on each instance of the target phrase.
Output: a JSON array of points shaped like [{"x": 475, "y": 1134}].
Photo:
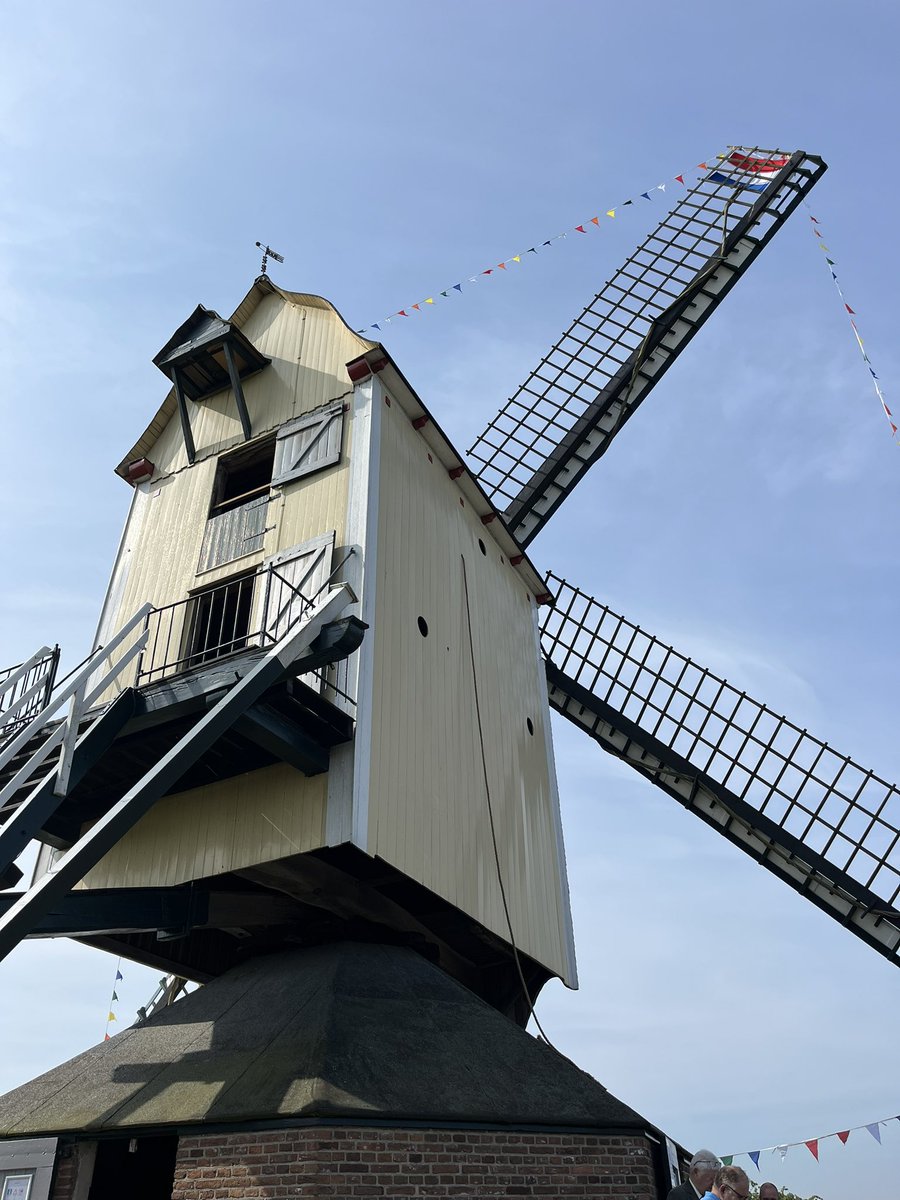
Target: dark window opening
[
  {"x": 139, "y": 1168},
  {"x": 242, "y": 476},
  {"x": 220, "y": 621}
]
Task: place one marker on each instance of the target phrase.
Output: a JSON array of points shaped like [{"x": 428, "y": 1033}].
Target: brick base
[{"x": 355, "y": 1162}]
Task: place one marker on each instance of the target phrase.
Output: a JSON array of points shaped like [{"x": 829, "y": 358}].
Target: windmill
[{"x": 317, "y": 709}]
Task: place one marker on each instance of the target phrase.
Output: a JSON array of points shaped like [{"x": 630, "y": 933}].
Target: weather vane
[{"x": 268, "y": 253}]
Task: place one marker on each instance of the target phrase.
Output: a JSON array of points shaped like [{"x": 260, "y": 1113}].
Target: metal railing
[
  {"x": 25, "y": 690},
  {"x": 249, "y": 612}
]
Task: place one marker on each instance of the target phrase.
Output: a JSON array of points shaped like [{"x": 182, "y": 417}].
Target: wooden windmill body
[{"x": 319, "y": 709}]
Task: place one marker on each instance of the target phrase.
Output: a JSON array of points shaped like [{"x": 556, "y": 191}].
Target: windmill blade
[
  {"x": 810, "y": 815},
  {"x": 563, "y": 418}
]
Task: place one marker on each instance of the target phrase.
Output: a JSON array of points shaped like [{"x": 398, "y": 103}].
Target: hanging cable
[{"x": 490, "y": 808}]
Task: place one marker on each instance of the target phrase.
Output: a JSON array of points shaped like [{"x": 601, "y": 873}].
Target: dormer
[{"x": 202, "y": 357}]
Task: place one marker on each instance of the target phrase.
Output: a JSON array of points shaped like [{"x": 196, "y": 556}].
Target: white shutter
[
  {"x": 298, "y": 577},
  {"x": 309, "y": 443}
]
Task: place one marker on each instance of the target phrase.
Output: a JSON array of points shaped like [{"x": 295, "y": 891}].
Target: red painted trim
[
  {"x": 455, "y": 472},
  {"x": 358, "y": 370},
  {"x": 488, "y": 517},
  {"x": 516, "y": 559},
  {"x": 418, "y": 422}
]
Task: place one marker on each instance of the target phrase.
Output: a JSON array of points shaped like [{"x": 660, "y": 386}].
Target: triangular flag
[
  {"x": 430, "y": 301},
  {"x": 626, "y": 203},
  {"x": 378, "y": 327},
  {"x": 106, "y": 1037},
  {"x": 580, "y": 229},
  {"x": 872, "y": 373},
  {"x": 444, "y": 294},
  {"x": 830, "y": 262},
  {"x": 727, "y": 1160},
  {"x": 646, "y": 195},
  {"x": 457, "y": 287},
  {"x": 502, "y": 266},
  {"x": 813, "y": 1148},
  {"x": 822, "y": 246},
  {"x": 894, "y": 427},
  {"x": 401, "y": 313},
  {"x": 816, "y": 232},
  {"x": 754, "y": 1154},
  {"x": 119, "y": 975},
  {"x": 703, "y": 166},
  {"x": 111, "y": 1016},
  {"x": 875, "y": 1131},
  {"x": 846, "y": 1133},
  {"x": 416, "y": 307},
  {"x": 782, "y": 1150},
  {"x": 516, "y": 258},
  {"x": 114, "y": 997},
  {"x": 680, "y": 178},
  {"x": 660, "y": 187},
  {"x": 850, "y": 310},
  {"x": 812, "y": 218},
  {"x": 531, "y": 250},
  {"x": 547, "y": 243},
  {"x": 595, "y": 220},
  {"x": 610, "y": 212},
  {"x": 489, "y": 271}
]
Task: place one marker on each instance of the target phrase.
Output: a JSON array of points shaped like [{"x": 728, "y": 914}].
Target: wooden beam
[
  {"x": 235, "y": 378},
  {"x": 185, "y": 418}
]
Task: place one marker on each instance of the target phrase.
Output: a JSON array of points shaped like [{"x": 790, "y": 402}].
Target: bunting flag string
[
  {"x": 539, "y": 245},
  {"x": 114, "y": 999},
  {"x": 851, "y": 316},
  {"x": 812, "y": 1144}
]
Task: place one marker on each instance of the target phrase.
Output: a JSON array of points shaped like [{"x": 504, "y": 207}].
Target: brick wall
[
  {"x": 359, "y": 1162},
  {"x": 64, "y": 1180}
]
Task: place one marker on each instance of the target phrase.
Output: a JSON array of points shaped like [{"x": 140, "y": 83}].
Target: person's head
[
  {"x": 768, "y": 1191},
  {"x": 731, "y": 1183},
  {"x": 704, "y": 1165}
]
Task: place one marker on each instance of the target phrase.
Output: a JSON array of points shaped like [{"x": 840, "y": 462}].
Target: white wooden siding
[{"x": 428, "y": 812}]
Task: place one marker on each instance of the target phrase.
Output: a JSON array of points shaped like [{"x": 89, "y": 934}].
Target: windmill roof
[
  {"x": 343, "y": 1031},
  {"x": 262, "y": 287}
]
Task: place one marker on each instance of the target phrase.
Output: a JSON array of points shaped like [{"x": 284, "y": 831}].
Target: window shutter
[
  {"x": 233, "y": 534},
  {"x": 309, "y": 443},
  {"x": 296, "y": 580}
]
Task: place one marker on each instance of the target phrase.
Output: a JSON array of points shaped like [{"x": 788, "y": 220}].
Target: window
[
  {"x": 240, "y": 503},
  {"x": 242, "y": 476},
  {"x": 219, "y": 623}
]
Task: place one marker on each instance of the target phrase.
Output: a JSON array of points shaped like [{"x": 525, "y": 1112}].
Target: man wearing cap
[
  {"x": 730, "y": 1183},
  {"x": 703, "y": 1169}
]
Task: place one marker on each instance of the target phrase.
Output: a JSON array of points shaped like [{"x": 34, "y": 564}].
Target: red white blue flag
[{"x": 748, "y": 172}]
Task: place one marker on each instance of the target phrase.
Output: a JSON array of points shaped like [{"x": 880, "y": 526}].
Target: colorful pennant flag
[
  {"x": 812, "y": 1144},
  {"x": 113, "y": 999},
  {"x": 851, "y": 313},
  {"x": 582, "y": 228}
]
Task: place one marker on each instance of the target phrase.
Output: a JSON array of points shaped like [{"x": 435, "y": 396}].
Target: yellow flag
[
  {"x": 430, "y": 301},
  {"x": 517, "y": 258},
  {"x": 111, "y": 1017},
  {"x": 610, "y": 212}
]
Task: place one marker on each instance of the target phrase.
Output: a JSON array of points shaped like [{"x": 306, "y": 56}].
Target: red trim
[
  {"x": 358, "y": 370},
  {"x": 379, "y": 364},
  {"x": 455, "y": 472},
  {"x": 139, "y": 471},
  {"x": 419, "y": 422},
  {"x": 516, "y": 559},
  {"x": 544, "y": 598},
  {"x": 488, "y": 517}
]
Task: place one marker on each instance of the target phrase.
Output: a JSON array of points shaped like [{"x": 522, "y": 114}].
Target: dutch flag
[{"x": 752, "y": 174}]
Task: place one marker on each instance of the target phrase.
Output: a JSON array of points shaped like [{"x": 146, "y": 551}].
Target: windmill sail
[
  {"x": 812, "y": 816},
  {"x": 563, "y": 418}
]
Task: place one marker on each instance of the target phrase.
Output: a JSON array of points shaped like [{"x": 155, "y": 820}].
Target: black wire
[{"x": 487, "y": 792}]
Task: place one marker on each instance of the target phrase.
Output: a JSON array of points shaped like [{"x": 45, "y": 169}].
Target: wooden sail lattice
[
  {"x": 825, "y": 825},
  {"x": 566, "y": 413}
]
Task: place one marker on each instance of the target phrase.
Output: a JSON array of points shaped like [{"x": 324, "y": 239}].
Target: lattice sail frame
[
  {"x": 821, "y": 822},
  {"x": 563, "y": 418}
]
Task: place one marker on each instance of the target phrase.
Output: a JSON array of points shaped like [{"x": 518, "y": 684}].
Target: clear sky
[{"x": 746, "y": 514}]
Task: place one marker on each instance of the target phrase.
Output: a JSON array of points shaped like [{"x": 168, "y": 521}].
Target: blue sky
[{"x": 746, "y": 514}]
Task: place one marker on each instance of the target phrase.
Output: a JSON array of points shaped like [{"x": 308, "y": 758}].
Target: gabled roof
[
  {"x": 343, "y": 1031},
  {"x": 206, "y": 319}
]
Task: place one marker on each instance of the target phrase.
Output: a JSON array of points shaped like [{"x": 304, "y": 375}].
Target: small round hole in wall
[
  {"x": 423, "y": 626},
  {"x": 530, "y": 725},
  {"x": 482, "y": 547}
]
